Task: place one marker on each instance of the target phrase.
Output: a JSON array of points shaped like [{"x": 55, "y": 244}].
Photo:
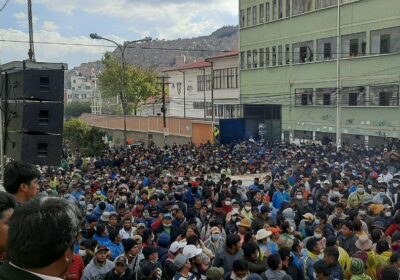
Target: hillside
[{"x": 225, "y": 38}]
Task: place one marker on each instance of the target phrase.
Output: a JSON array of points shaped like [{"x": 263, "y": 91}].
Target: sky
[{"x": 71, "y": 21}]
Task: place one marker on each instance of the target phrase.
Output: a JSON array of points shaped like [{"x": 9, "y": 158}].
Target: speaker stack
[{"x": 32, "y": 96}]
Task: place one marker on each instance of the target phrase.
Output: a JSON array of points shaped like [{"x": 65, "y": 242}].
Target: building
[
  {"x": 191, "y": 93},
  {"x": 303, "y": 62}
]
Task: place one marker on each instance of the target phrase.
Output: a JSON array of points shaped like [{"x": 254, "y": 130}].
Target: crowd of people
[{"x": 185, "y": 212}]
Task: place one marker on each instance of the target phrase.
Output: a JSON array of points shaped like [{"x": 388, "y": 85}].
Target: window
[
  {"x": 262, "y": 11},
  {"x": 242, "y": 59},
  {"x": 217, "y": 79},
  {"x": 248, "y": 59},
  {"x": 261, "y": 53},
  {"x": 198, "y": 105},
  {"x": 273, "y": 56},
  {"x": 87, "y": 87},
  {"x": 303, "y": 52},
  {"x": 326, "y": 49},
  {"x": 42, "y": 149},
  {"x": 267, "y": 12},
  {"x": 200, "y": 83},
  {"x": 385, "y": 40},
  {"x": 44, "y": 84},
  {"x": 287, "y": 54},
  {"x": 280, "y": 7},
  {"x": 326, "y": 96},
  {"x": 236, "y": 77},
  {"x": 354, "y": 96},
  {"x": 231, "y": 78},
  {"x": 280, "y": 53},
  {"x": 354, "y": 45},
  {"x": 248, "y": 17},
  {"x": 44, "y": 117},
  {"x": 267, "y": 57},
  {"x": 387, "y": 95},
  {"x": 325, "y": 3},
  {"x": 208, "y": 82},
  {"x": 254, "y": 58},
  {"x": 301, "y": 6},
  {"x": 254, "y": 15},
  {"x": 304, "y": 96},
  {"x": 274, "y": 9},
  {"x": 242, "y": 18},
  {"x": 287, "y": 8}
]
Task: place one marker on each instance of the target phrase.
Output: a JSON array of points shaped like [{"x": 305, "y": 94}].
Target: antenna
[{"x": 31, "y": 51}]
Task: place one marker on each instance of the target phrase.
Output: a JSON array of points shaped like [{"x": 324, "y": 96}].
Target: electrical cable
[{"x": 5, "y": 4}]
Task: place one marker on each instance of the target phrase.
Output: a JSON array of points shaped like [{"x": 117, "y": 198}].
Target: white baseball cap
[
  {"x": 191, "y": 251},
  {"x": 175, "y": 246}
]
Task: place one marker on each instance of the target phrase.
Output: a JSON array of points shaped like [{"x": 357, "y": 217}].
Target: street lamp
[{"x": 122, "y": 48}]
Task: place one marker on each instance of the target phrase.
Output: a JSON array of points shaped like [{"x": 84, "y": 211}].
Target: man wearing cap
[
  {"x": 150, "y": 268},
  {"x": 132, "y": 255},
  {"x": 101, "y": 208},
  {"x": 168, "y": 227},
  {"x": 121, "y": 270},
  {"x": 244, "y": 228},
  {"x": 175, "y": 249},
  {"x": 357, "y": 198},
  {"x": 182, "y": 267},
  {"x": 262, "y": 218},
  {"x": 99, "y": 265}
]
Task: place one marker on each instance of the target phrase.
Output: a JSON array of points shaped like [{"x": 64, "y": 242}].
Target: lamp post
[{"x": 122, "y": 49}]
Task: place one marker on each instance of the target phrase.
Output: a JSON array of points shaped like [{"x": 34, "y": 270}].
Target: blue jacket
[
  {"x": 97, "y": 212},
  {"x": 102, "y": 241},
  {"x": 278, "y": 199},
  {"x": 116, "y": 250}
]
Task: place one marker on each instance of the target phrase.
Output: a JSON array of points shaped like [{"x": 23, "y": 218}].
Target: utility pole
[
  {"x": 31, "y": 52},
  {"x": 163, "y": 108}
]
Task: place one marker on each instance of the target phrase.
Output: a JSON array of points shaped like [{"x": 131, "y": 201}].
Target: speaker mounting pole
[{"x": 31, "y": 51}]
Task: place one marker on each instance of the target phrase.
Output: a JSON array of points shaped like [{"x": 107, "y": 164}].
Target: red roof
[
  {"x": 197, "y": 64},
  {"x": 226, "y": 54}
]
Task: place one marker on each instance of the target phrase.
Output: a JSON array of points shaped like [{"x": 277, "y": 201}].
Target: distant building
[
  {"x": 192, "y": 93},
  {"x": 302, "y": 60}
]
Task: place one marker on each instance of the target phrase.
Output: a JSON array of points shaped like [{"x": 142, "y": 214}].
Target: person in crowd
[
  {"x": 232, "y": 251},
  {"x": 7, "y": 205},
  {"x": 22, "y": 180},
  {"x": 115, "y": 245},
  {"x": 216, "y": 241},
  {"x": 182, "y": 267},
  {"x": 251, "y": 255},
  {"x": 120, "y": 271},
  {"x": 358, "y": 270},
  {"x": 275, "y": 269},
  {"x": 311, "y": 257},
  {"x": 99, "y": 266},
  {"x": 48, "y": 253},
  {"x": 348, "y": 240},
  {"x": 288, "y": 265},
  {"x": 240, "y": 271}
]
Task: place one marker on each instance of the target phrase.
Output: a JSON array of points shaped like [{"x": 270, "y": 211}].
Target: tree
[
  {"x": 139, "y": 84},
  {"x": 75, "y": 109},
  {"x": 83, "y": 138}
]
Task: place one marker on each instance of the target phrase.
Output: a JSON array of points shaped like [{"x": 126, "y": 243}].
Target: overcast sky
[{"x": 121, "y": 20}]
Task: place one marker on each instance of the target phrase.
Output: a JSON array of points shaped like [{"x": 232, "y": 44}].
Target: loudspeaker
[
  {"x": 41, "y": 149},
  {"x": 39, "y": 117},
  {"x": 35, "y": 84}
]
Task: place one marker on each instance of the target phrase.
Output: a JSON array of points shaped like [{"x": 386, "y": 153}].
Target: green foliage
[
  {"x": 83, "y": 138},
  {"x": 75, "y": 109},
  {"x": 139, "y": 84}
]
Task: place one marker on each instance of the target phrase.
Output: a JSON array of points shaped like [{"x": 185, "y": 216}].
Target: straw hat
[
  {"x": 262, "y": 234},
  {"x": 245, "y": 223}
]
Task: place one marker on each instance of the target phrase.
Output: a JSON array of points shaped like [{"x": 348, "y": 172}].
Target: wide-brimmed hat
[
  {"x": 364, "y": 243},
  {"x": 245, "y": 223},
  {"x": 357, "y": 266},
  {"x": 262, "y": 234}
]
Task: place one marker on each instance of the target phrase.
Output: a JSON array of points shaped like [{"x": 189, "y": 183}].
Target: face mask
[
  {"x": 247, "y": 208},
  {"x": 186, "y": 183},
  {"x": 82, "y": 203},
  {"x": 395, "y": 185},
  {"x": 209, "y": 206},
  {"x": 336, "y": 193},
  {"x": 311, "y": 201},
  {"x": 124, "y": 198},
  {"x": 215, "y": 237},
  {"x": 316, "y": 221},
  {"x": 167, "y": 225},
  {"x": 361, "y": 213},
  {"x": 318, "y": 235},
  {"x": 234, "y": 218},
  {"x": 299, "y": 197},
  {"x": 228, "y": 203},
  {"x": 88, "y": 213},
  {"x": 82, "y": 253},
  {"x": 388, "y": 214},
  {"x": 360, "y": 190}
]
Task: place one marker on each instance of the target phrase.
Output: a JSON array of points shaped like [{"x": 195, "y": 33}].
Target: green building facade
[{"x": 288, "y": 57}]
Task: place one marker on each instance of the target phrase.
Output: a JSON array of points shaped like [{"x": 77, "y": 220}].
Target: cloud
[
  {"x": 50, "y": 26},
  {"x": 22, "y": 19},
  {"x": 54, "y": 52}
]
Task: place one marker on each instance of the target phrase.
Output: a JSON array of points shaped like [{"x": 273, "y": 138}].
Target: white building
[{"x": 192, "y": 93}]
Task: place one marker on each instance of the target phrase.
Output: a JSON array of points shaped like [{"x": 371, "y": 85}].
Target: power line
[
  {"x": 113, "y": 46},
  {"x": 5, "y": 4}
]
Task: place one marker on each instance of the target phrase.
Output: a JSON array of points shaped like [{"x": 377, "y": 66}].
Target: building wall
[
  {"x": 226, "y": 101},
  {"x": 279, "y": 84}
]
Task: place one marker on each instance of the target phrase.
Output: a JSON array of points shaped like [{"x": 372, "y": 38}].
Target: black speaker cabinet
[
  {"x": 43, "y": 117},
  {"x": 34, "y": 84},
  {"x": 38, "y": 149}
]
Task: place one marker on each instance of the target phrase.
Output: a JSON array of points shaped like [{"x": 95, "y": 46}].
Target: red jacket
[
  {"x": 75, "y": 271},
  {"x": 392, "y": 229}
]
